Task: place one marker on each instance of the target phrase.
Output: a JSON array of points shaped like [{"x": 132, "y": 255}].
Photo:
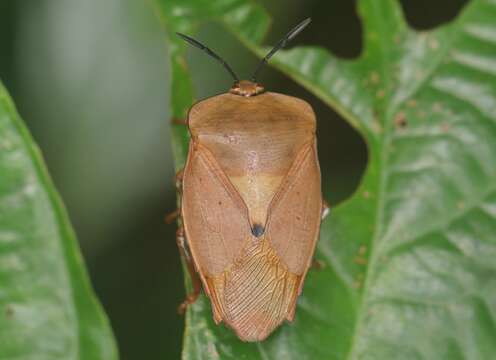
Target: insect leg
[
  {"x": 325, "y": 209},
  {"x": 178, "y": 181},
  {"x": 317, "y": 264},
  {"x": 179, "y": 121},
  {"x": 195, "y": 280},
  {"x": 172, "y": 216}
]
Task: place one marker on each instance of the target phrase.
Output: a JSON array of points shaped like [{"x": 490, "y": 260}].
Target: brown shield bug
[{"x": 251, "y": 203}]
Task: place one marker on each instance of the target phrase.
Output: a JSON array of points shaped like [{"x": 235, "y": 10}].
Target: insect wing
[
  {"x": 215, "y": 217},
  {"x": 295, "y": 213}
]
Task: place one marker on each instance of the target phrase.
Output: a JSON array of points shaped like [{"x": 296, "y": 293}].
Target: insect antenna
[
  {"x": 282, "y": 43},
  {"x": 199, "y": 45}
]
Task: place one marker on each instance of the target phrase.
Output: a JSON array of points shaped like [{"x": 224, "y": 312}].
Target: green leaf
[
  {"x": 410, "y": 270},
  {"x": 47, "y": 307}
]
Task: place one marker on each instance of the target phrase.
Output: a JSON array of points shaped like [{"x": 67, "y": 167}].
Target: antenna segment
[
  {"x": 200, "y": 46},
  {"x": 281, "y": 44}
]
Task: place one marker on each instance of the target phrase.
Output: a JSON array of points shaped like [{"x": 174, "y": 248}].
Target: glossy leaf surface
[{"x": 47, "y": 307}]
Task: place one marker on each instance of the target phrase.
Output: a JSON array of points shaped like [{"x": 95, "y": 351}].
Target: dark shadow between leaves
[{"x": 423, "y": 15}]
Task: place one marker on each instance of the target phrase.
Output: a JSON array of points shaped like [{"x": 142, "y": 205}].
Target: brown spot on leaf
[
  {"x": 374, "y": 77},
  {"x": 436, "y": 107},
  {"x": 445, "y": 126},
  {"x": 376, "y": 126},
  {"x": 357, "y": 284},
  {"x": 434, "y": 44},
  {"x": 400, "y": 120},
  {"x": 9, "y": 311},
  {"x": 360, "y": 261},
  {"x": 412, "y": 103}
]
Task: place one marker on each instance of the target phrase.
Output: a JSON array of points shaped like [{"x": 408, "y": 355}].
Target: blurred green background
[{"x": 90, "y": 78}]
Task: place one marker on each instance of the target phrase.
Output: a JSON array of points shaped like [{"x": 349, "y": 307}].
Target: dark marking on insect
[{"x": 257, "y": 230}]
